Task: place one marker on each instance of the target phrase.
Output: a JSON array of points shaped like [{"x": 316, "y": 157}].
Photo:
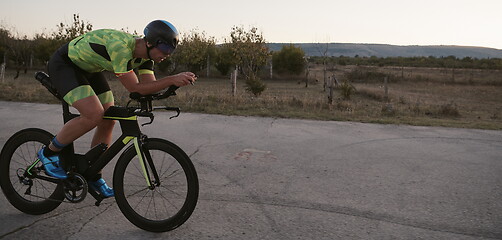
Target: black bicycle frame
[{"x": 128, "y": 121}]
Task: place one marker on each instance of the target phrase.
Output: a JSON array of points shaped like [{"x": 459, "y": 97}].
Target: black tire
[
  {"x": 168, "y": 205},
  {"x": 18, "y": 153}
]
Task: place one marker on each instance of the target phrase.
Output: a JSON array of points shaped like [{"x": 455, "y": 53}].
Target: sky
[{"x": 396, "y": 22}]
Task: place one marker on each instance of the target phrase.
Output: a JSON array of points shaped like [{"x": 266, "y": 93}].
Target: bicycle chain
[{"x": 66, "y": 191}]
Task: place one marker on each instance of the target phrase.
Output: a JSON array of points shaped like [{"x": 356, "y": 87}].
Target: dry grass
[{"x": 424, "y": 98}]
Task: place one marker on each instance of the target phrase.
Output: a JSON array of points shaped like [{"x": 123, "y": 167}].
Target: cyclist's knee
[
  {"x": 106, "y": 123},
  {"x": 90, "y": 109},
  {"x": 93, "y": 118}
]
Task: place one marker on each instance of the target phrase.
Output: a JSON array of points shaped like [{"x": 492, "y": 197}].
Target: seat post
[{"x": 67, "y": 115}]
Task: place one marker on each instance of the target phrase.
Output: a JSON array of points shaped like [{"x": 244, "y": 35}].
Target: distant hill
[{"x": 385, "y": 50}]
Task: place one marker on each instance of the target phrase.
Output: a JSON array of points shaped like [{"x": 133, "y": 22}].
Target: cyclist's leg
[
  {"x": 91, "y": 115},
  {"x": 104, "y": 129},
  {"x": 91, "y": 112},
  {"x": 71, "y": 82},
  {"x": 103, "y": 133}
]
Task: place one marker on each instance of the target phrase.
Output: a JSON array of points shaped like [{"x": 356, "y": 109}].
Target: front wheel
[{"x": 164, "y": 205}]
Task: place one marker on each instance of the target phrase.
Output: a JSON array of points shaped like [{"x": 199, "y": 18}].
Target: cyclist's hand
[{"x": 185, "y": 78}]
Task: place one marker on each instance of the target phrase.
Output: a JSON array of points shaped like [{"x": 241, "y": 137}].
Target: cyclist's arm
[
  {"x": 149, "y": 85},
  {"x": 144, "y": 78}
]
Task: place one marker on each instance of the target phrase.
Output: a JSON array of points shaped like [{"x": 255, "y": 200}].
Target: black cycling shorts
[{"x": 74, "y": 83}]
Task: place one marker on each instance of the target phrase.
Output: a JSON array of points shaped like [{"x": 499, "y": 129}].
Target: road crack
[
  {"x": 90, "y": 220},
  {"x": 54, "y": 215},
  {"x": 354, "y": 212}
]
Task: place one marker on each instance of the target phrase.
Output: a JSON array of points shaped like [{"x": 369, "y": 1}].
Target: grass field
[{"x": 429, "y": 97}]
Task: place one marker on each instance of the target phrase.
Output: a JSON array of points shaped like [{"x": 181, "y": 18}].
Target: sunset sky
[{"x": 398, "y": 22}]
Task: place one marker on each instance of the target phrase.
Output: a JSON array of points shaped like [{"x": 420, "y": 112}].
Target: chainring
[{"x": 75, "y": 188}]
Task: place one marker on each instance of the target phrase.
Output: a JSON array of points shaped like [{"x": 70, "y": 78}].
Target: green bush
[
  {"x": 346, "y": 90},
  {"x": 290, "y": 59},
  {"x": 449, "y": 110},
  {"x": 255, "y": 86}
]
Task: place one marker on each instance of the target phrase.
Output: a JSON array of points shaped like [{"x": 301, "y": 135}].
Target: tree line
[
  {"x": 245, "y": 51},
  {"x": 428, "y": 62}
]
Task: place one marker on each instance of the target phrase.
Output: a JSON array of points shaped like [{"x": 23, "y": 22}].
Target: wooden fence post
[
  {"x": 2, "y": 72},
  {"x": 386, "y": 88},
  {"x": 233, "y": 80},
  {"x": 331, "y": 88},
  {"x": 307, "y": 72},
  {"x": 208, "y": 64},
  {"x": 271, "y": 69}
]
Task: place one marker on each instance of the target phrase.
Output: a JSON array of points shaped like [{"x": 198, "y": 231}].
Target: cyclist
[{"x": 76, "y": 71}]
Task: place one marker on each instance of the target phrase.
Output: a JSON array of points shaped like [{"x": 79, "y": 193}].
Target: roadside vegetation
[
  {"x": 424, "y": 99},
  {"x": 426, "y": 91}
]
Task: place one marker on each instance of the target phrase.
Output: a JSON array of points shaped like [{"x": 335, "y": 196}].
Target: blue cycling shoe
[
  {"x": 101, "y": 187},
  {"x": 52, "y": 166}
]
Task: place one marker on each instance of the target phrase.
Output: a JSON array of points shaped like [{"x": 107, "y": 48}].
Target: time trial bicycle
[{"x": 155, "y": 182}]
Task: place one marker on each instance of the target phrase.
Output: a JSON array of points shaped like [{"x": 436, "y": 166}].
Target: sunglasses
[{"x": 165, "y": 48}]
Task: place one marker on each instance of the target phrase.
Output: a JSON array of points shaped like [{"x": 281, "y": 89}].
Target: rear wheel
[
  {"x": 165, "y": 205},
  {"x": 23, "y": 190}
]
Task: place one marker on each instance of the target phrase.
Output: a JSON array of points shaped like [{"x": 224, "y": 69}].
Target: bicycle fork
[{"x": 146, "y": 162}]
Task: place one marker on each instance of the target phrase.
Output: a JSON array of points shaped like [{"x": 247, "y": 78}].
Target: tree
[
  {"x": 289, "y": 59},
  {"x": 21, "y": 52},
  {"x": 4, "y": 47},
  {"x": 44, "y": 46},
  {"x": 250, "y": 53},
  {"x": 224, "y": 61},
  {"x": 323, "y": 49},
  {"x": 194, "y": 51},
  {"x": 67, "y": 32},
  {"x": 5, "y": 38},
  {"x": 16, "y": 50}
]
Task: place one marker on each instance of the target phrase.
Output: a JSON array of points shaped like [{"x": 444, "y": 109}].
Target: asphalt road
[{"x": 265, "y": 178}]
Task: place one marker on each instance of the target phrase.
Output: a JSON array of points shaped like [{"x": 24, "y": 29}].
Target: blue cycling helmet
[{"x": 162, "y": 34}]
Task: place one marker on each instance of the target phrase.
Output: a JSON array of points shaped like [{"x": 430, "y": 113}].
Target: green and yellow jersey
[{"x": 107, "y": 50}]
